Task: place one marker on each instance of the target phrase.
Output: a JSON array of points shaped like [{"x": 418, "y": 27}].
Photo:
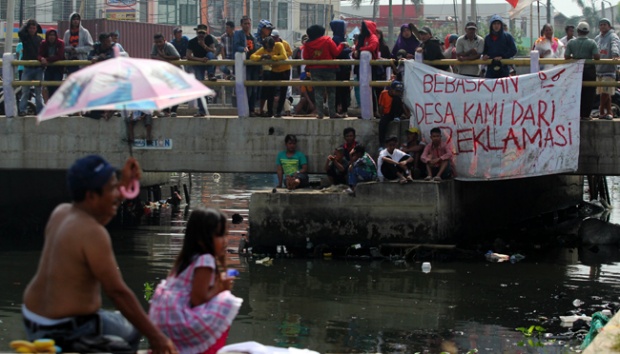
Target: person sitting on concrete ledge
[
  {"x": 337, "y": 167},
  {"x": 348, "y": 134},
  {"x": 362, "y": 167},
  {"x": 437, "y": 156},
  {"x": 393, "y": 162},
  {"x": 414, "y": 147},
  {"x": 293, "y": 164}
]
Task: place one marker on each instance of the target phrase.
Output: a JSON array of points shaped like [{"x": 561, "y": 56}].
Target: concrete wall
[
  {"x": 418, "y": 212},
  {"x": 229, "y": 144},
  {"x": 421, "y": 212}
]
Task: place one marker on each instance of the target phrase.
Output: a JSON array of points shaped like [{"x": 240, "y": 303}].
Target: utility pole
[
  {"x": 390, "y": 26},
  {"x": 463, "y": 13},
  {"x": 549, "y": 19},
  {"x": 474, "y": 12},
  {"x": 21, "y": 13}
]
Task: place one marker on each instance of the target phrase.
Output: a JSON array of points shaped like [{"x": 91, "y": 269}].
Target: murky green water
[{"x": 340, "y": 306}]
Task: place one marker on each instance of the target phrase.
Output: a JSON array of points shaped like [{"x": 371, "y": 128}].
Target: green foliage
[
  {"x": 533, "y": 336},
  {"x": 148, "y": 290}
]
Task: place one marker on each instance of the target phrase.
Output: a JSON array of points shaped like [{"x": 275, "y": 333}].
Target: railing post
[
  {"x": 8, "y": 72},
  {"x": 534, "y": 63},
  {"x": 243, "y": 109},
  {"x": 365, "y": 88}
]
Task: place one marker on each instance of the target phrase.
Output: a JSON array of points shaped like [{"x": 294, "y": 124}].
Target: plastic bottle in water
[{"x": 426, "y": 267}]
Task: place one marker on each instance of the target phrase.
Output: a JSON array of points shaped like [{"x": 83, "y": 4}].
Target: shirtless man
[{"x": 63, "y": 300}]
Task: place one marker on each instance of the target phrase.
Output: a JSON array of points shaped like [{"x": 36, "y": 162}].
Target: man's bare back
[{"x": 64, "y": 284}]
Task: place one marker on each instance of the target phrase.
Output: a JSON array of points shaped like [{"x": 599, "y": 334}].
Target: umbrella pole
[{"x": 129, "y": 142}]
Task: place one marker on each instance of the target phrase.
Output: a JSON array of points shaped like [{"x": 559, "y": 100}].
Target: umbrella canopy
[{"x": 124, "y": 84}]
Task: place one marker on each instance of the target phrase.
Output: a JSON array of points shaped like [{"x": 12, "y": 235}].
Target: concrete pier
[{"x": 419, "y": 212}]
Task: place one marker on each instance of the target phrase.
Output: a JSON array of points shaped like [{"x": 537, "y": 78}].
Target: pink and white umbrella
[{"x": 124, "y": 84}]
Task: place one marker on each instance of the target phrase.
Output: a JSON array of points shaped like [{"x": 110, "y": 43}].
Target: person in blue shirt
[
  {"x": 498, "y": 45},
  {"x": 292, "y": 164}
]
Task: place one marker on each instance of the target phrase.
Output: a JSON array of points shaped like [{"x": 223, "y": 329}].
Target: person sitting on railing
[
  {"x": 31, "y": 42},
  {"x": 583, "y": 47},
  {"x": 431, "y": 47},
  {"x": 78, "y": 42},
  {"x": 114, "y": 35},
  {"x": 165, "y": 51},
  {"x": 292, "y": 165},
  {"x": 469, "y": 47},
  {"x": 244, "y": 42},
  {"x": 498, "y": 45},
  {"x": 406, "y": 41},
  {"x": 102, "y": 50},
  {"x": 52, "y": 50},
  {"x": 321, "y": 47},
  {"x": 548, "y": 46},
  {"x": 272, "y": 51}
]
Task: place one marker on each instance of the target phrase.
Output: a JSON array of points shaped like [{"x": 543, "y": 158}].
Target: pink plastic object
[{"x": 132, "y": 191}]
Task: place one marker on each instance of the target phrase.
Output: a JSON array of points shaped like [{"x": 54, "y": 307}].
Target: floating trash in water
[
  {"x": 577, "y": 302},
  {"x": 216, "y": 177},
  {"x": 426, "y": 267}
]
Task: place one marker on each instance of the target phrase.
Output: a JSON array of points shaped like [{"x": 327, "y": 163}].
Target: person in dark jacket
[
  {"x": 343, "y": 94},
  {"x": 498, "y": 45},
  {"x": 431, "y": 47},
  {"x": 52, "y": 49},
  {"x": 29, "y": 36}
]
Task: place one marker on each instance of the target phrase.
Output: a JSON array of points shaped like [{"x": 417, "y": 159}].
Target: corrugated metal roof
[{"x": 135, "y": 37}]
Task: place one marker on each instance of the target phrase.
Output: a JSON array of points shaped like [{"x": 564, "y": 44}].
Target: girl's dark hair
[
  {"x": 202, "y": 227},
  {"x": 290, "y": 137}
]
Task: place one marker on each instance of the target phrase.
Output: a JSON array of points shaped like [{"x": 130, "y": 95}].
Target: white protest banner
[{"x": 519, "y": 126}]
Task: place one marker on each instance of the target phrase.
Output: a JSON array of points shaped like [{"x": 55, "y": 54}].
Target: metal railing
[{"x": 365, "y": 83}]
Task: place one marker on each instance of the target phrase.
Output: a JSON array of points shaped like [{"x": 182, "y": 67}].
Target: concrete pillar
[
  {"x": 8, "y": 72},
  {"x": 534, "y": 62},
  {"x": 242, "y": 95},
  {"x": 365, "y": 88}
]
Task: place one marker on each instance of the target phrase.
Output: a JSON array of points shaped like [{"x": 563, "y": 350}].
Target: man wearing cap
[
  {"x": 609, "y": 48},
  {"x": 202, "y": 49},
  {"x": 469, "y": 47},
  {"x": 583, "y": 47},
  {"x": 431, "y": 47},
  {"x": 570, "y": 34},
  {"x": 63, "y": 299}
]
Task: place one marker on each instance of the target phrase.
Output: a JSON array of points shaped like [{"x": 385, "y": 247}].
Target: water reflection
[{"x": 354, "y": 306}]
